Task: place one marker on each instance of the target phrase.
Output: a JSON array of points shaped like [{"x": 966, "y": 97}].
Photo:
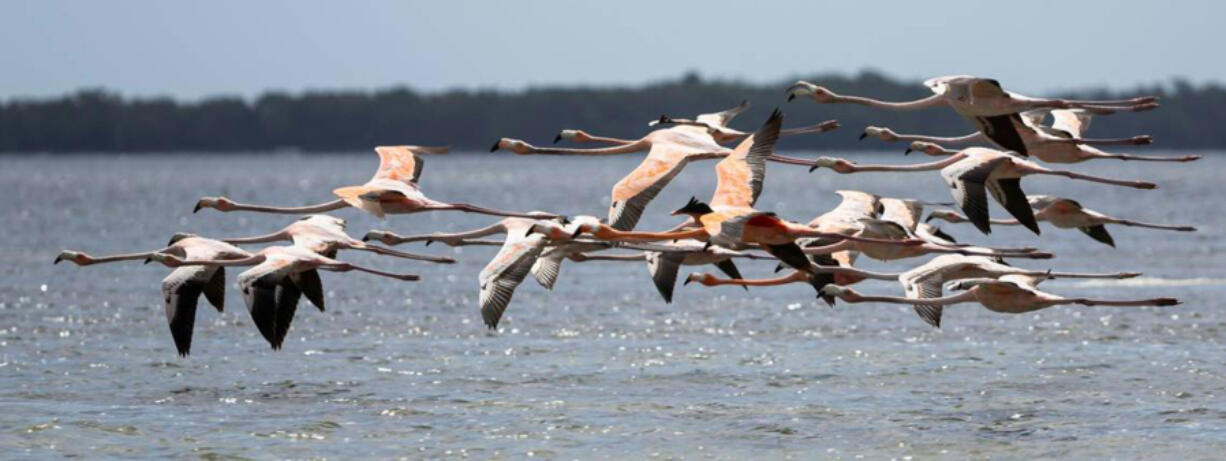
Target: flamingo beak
[
  {"x": 791, "y": 97},
  {"x": 863, "y": 135},
  {"x": 148, "y": 260},
  {"x": 199, "y": 205},
  {"x": 428, "y": 242},
  {"x": 907, "y": 152},
  {"x": 575, "y": 234},
  {"x": 930, "y": 217},
  {"x": 557, "y": 138},
  {"x": 778, "y": 267},
  {"x": 494, "y": 148},
  {"x": 58, "y": 258},
  {"x": 530, "y": 230},
  {"x": 814, "y": 168}
]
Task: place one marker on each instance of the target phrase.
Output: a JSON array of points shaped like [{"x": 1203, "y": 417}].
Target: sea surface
[{"x": 600, "y": 367}]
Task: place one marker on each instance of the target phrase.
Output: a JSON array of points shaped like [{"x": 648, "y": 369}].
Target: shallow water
[{"x": 600, "y": 367}]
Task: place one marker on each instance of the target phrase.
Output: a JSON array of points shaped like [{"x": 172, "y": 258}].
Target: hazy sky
[{"x": 192, "y": 49}]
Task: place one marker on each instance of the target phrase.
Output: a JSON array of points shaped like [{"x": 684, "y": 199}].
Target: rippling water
[{"x": 600, "y": 367}]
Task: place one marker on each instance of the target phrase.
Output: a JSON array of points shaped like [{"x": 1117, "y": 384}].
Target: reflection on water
[{"x": 600, "y": 366}]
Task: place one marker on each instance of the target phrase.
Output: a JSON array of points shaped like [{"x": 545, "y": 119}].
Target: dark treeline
[{"x": 101, "y": 121}]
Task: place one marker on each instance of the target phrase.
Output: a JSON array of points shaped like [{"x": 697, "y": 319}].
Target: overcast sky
[{"x": 194, "y": 49}]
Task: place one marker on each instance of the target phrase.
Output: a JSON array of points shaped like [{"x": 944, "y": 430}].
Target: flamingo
[
  {"x": 731, "y": 221},
  {"x": 1062, "y": 142},
  {"x": 280, "y": 276},
  {"x": 1010, "y": 294},
  {"x": 181, "y": 289},
  {"x": 899, "y": 221},
  {"x": 546, "y": 267},
  {"x": 326, "y": 235},
  {"x": 973, "y": 171},
  {"x": 982, "y": 101},
  {"x": 525, "y": 239},
  {"x": 392, "y": 190},
  {"x": 669, "y": 150},
  {"x": 1065, "y": 213}
]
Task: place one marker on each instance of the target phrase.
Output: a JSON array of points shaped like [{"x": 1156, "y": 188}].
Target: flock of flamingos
[{"x": 1011, "y": 132}]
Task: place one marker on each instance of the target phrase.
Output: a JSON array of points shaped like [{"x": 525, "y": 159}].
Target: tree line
[{"x": 97, "y": 120}]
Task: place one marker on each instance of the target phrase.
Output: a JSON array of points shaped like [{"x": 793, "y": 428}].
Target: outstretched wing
[
  {"x": 855, "y": 206},
  {"x": 1073, "y": 121},
  {"x": 181, "y": 291},
  {"x": 742, "y": 173},
  {"x": 1001, "y": 129},
  {"x": 1008, "y": 192},
  {"x": 966, "y": 179},
  {"x": 721, "y": 119},
  {"x": 631, "y": 195},
  {"x": 663, "y": 267},
  {"x": 401, "y": 163},
  {"x": 905, "y": 213},
  {"x": 505, "y": 272}
]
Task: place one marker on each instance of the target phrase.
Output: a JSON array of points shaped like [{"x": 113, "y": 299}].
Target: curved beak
[
  {"x": 863, "y": 135},
  {"x": 494, "y": 148},
  {"x": 530, "y": 230},
  {"x": 791, "y": 97},
  {"x": 148, "y": 260},
  {"x": 575, "y": 234},
  {"x": 930, "y": 217},
  {"x": 814, "y": 168},
  {"x": 58, "y": 258},
  {"x": 557, "y": 138},
  {"x": 778, "y": 267},
  {"x": 428, "y": 242},
  {"x": 199, "y": 205}
]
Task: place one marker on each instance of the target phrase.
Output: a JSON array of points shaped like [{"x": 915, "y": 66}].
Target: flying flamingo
[
  {"x": 1010, "y": 294},
  {"x": 669, "y": 150},
  {"x": 973, "y": 171},
  {"x": 731, "y": 221},
  {"x": 326, "y": 235},
  {"x": 392, "y": 190},
  {"x": 982, "y": 101},
  {"x": 181, "y": 289},
  {"x": 1060, "y": 143},
  {"x": 1067, "y": 213},
  {"x": 280, "y": 276}
]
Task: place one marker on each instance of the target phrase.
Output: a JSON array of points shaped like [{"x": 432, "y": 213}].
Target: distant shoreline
[{"x": 100, "y": 121}]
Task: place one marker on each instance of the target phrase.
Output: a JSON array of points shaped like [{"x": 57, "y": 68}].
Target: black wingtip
[{"x": 494, "y": 148}]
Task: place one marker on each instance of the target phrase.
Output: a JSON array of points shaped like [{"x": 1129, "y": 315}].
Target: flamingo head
[
  {"x": 583, "y": 224},
  {"x": 166, "y": 259},
  {"x": 945, "y": 215},
  {"x": 380, "y": 236},
  {"x": 701, "y": 277},
  {"x": 693, "y": 208},
  {"x": 833, "y": 163},
  {"x": 513, "y": 145},
  {"x": 76, "y": 257},
  {"x": 809, "y": 90},
  {"x": 882, "y": 133},
  {"x": 841, "y": 292},
  {"x": 218, "y": 203},
  {"x": 925, "y": 147},
  {"x": 572, "y": 135}
]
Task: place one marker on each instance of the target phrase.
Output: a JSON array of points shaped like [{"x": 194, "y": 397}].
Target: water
[{"x": 600, "y": 367}]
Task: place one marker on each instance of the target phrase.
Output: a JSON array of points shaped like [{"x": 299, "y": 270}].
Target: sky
[{"x": 194, "y": 49}]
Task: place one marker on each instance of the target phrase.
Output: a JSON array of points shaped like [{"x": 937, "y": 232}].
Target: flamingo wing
[
  {"x": 631, "y": 195},
  {"x": 966, "y": 179},
  {"x": 505, "y": 272},
  {"x": 722, "y": 118},
  {"x": 905, "y": 213},
  {"x": 401, "y": 163},
  {"x": 181, "y": 291},
  {"x": 1008, "y": 192},
  {"x": 663, "y": 267},
  {"x": 1075, "y": 122},
  {"x": 740, "y": 175},
  {"x": 271, "y": 298},
  {"x": 1003, "y": 130}
]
